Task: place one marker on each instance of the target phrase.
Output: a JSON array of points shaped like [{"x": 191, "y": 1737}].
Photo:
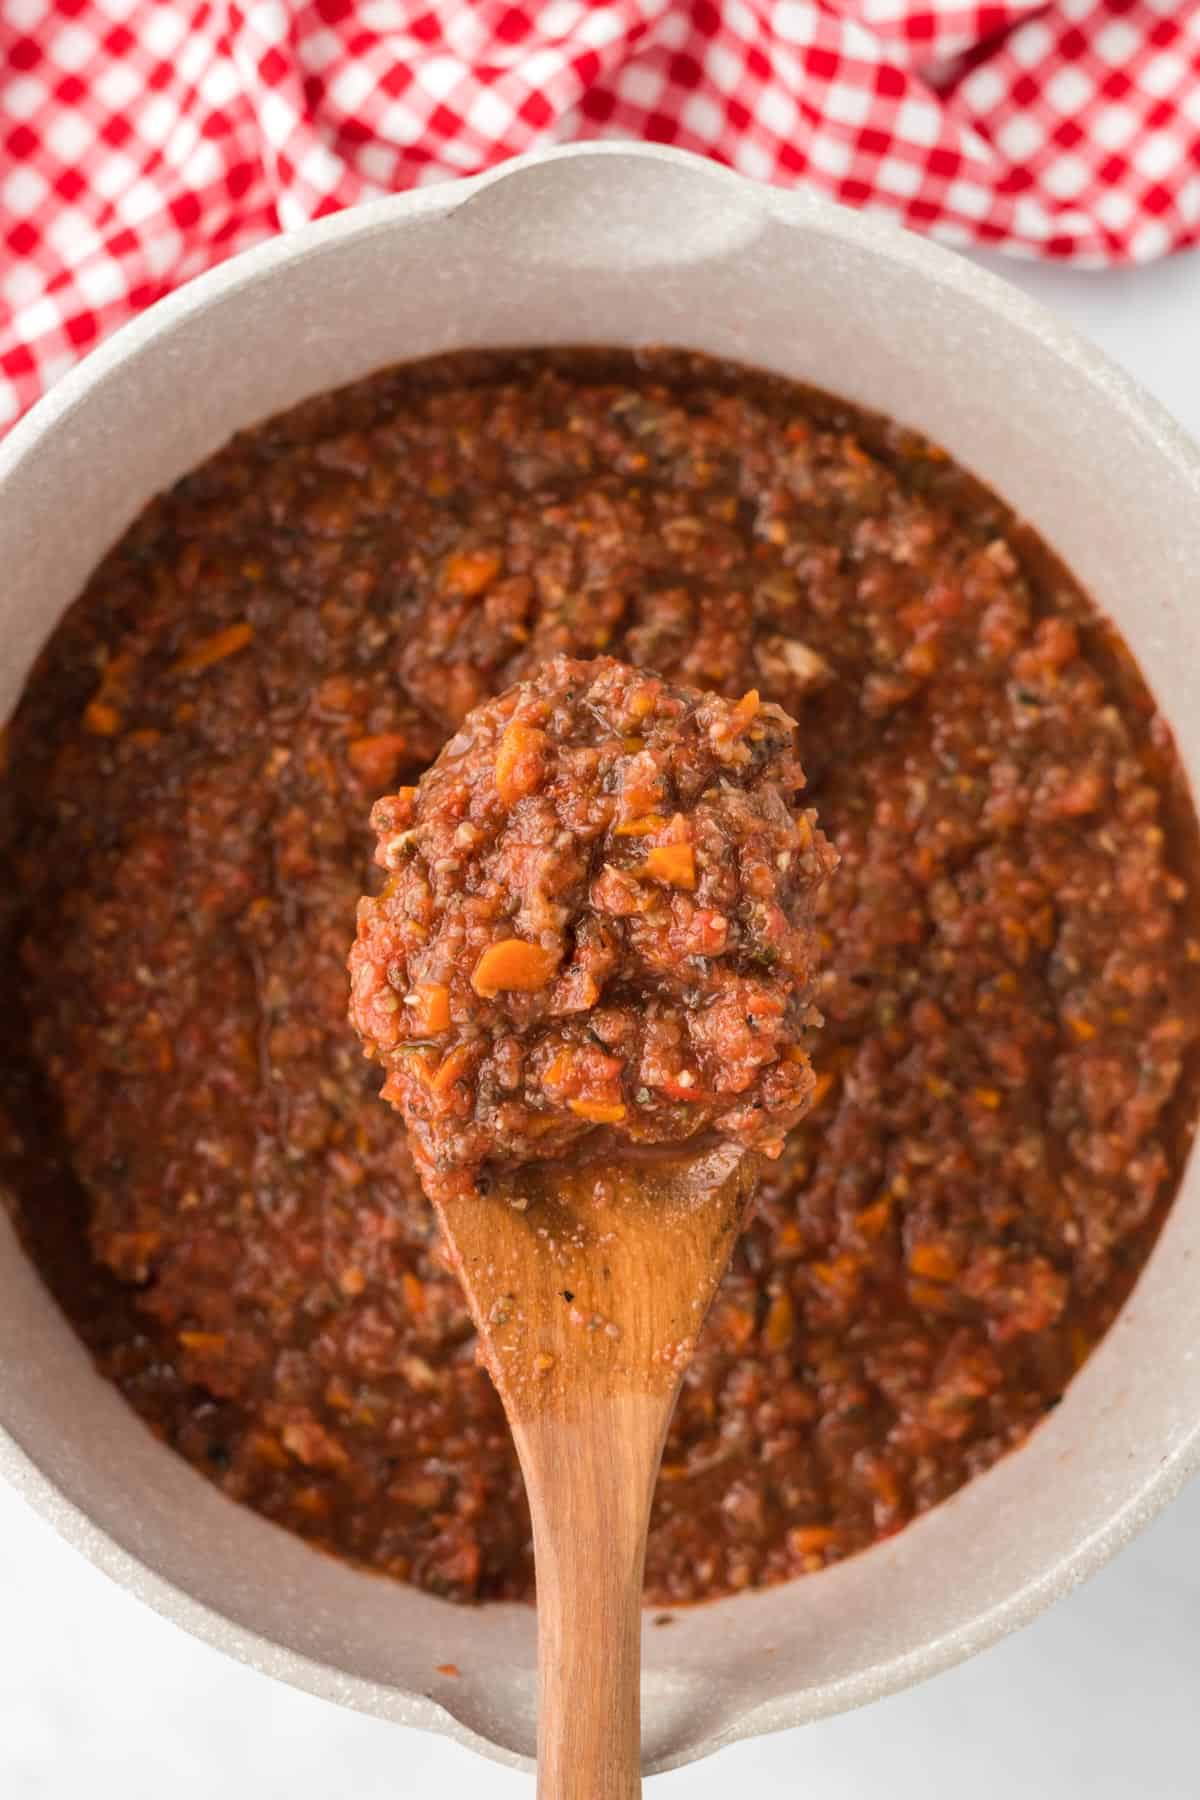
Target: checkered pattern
[{"x": 141, "y": 141}]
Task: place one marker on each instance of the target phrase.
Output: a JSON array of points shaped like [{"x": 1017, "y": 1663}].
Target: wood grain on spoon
[{"x": 588, "y": 1294}]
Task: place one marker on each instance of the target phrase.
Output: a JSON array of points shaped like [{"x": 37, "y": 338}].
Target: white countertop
[{"x": 1093, "y": 1702}]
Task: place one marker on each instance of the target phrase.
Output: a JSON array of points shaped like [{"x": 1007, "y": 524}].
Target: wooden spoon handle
[
  {"x": 594, "y": 1482},
  {"x": 588, "y": 1286}
]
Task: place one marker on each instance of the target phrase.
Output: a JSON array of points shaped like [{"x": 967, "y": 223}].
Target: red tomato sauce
[{"x": 193, "y": 1142}]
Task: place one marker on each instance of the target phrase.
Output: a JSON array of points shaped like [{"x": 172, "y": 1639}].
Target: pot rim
[{"x": 894, "y": 246}]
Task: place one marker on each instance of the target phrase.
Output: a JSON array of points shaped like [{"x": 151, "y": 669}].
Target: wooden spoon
[{"x": 588, "y": 1286}]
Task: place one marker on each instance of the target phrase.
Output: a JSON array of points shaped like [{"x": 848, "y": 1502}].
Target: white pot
[{"x": 620, "y": 244}]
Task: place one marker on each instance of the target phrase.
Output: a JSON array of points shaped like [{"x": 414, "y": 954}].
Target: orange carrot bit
[
  {"x": 672, "y": 864},
  {"x": 376, "y": 758},
  {"x": 337, "y": 693},
  {"x": 873, "y": 1220},
  {"x": 559, "y": 1070},
  {"x": 932, "y": 1262},
  {"x": 734, "y": 1327},
  {"x": 269, "y": 1450},
  {"x": 513, "y": 966},
  {"x": 839, "y": 1276},
  {"x": 641, "y": 826},
  {"x": 744, "y": 712},
  {"x": 314, "y": 1502},
  {"x": 448, "y": 1669},
  {"x": 469, "y": 572},
  {"x": 825, "y": 1081},
  {"x": 598, "y": 1112},
  {"x": 413, "y": 1291},
  {"x": 213, "y": 649},
  {"x": 519, "y": 762},
  {"x": 203, "y": 1343},
  {"x": 452, "y": 1068},
  {"x": 809, "y": 1540},
  {"x": 780, "y": 1323},
  {"x": 430, "y": 1006},
  {"x": 101, "y": 719}
]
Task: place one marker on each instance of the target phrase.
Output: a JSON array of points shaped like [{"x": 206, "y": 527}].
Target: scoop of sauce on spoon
[{"x": 589, "y": 976}]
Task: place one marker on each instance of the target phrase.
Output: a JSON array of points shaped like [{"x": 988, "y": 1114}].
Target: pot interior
[{"x": 622, "y": 246}]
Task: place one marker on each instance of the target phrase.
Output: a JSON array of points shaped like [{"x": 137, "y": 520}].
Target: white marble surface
[{"x": 1093, "y": 1702}]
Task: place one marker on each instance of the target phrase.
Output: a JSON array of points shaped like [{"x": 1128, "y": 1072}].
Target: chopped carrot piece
[
  {"x": 558, "y": 1070},
  {"x": 376, "y": 758},
  {"x": 744, "y": 712},
  {"x": 872, "y": 1220},
  {"x": 513, "y": 966},
  {"x": 779, "y": 1323},
  {"x": 337, "y": 1394},
  {"x": 599, "y": 1112},
  {"x": 314, "y": 1502},
  {"x": 734, "y": 1327},
  {"x": 269, "y": 1450},
  {"x": 519, "y": 765},
  {"x": 101, "y": 719},
  {"x": 452, "y": 1068},
  {"x": 932, "y": 1262},
  {"x": 825, "y": 1081},
  {"x": 469, "y": 572},
  {"x": 642, "y": 826},
  {"x": 430, "y": 1003},
  {"x": 203, "y": 1343},
  {"x": 672, "y": 864},
  {"x": 413, "y": 1291},
  {"x": 808, "y": 1540},
  {"x": 213, "y": 649},
  {"x": 336, "y": 693},
  {"x": 840, "y": 1275}
]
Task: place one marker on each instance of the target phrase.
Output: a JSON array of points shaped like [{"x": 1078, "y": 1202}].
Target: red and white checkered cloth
[{"x": 141, "y": 141}]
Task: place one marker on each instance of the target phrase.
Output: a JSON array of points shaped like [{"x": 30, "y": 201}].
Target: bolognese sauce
[{"x": 1004, "y": 1086}]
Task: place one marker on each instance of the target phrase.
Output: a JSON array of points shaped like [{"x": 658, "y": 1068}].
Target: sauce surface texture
[{"x": 194, "y": 1142}]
